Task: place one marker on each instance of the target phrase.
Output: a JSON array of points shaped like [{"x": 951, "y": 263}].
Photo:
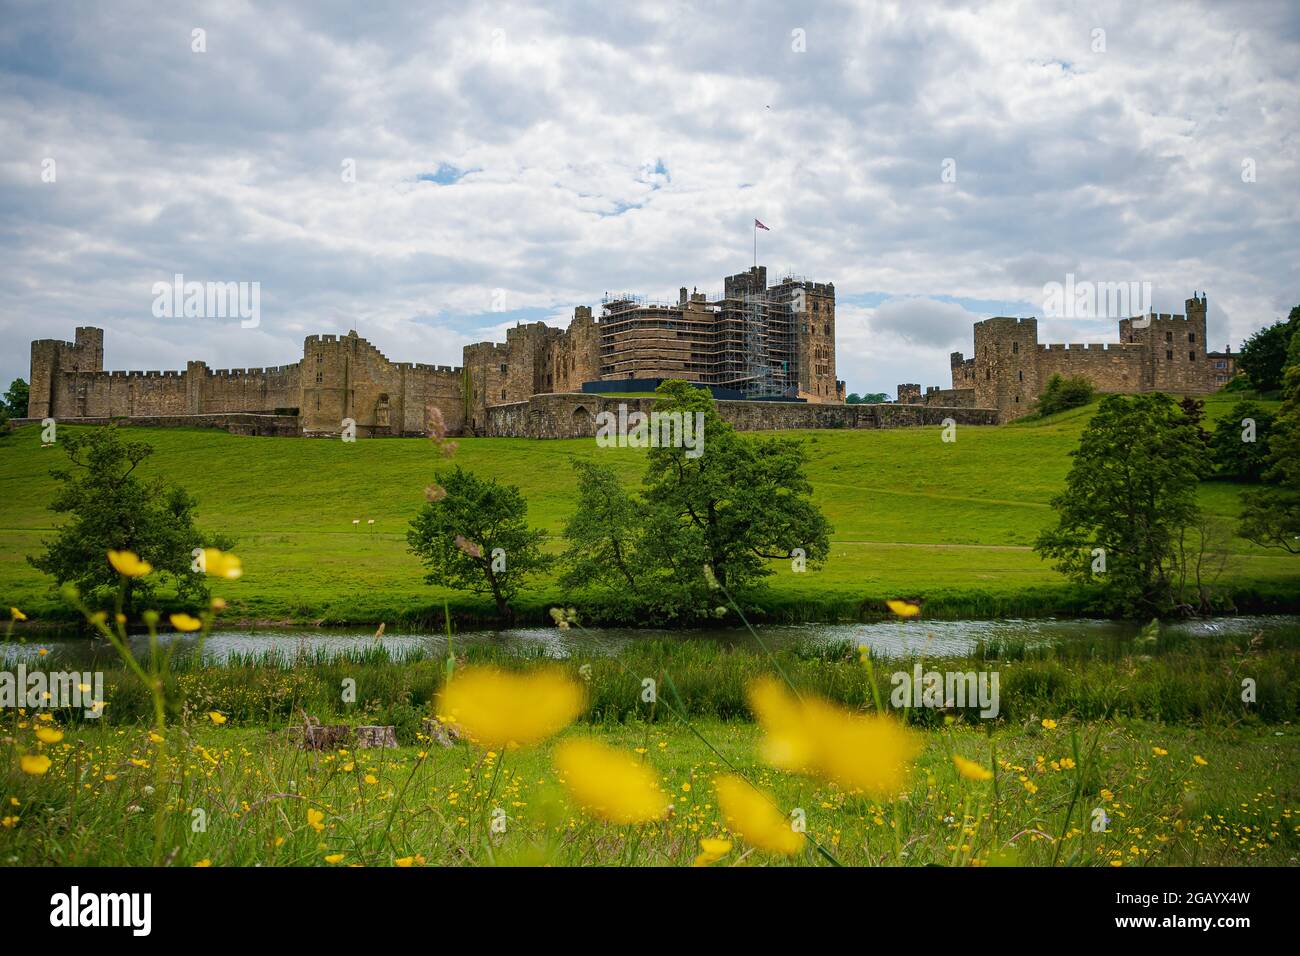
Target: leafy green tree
[
  {"x": 110, "y": 507},
  {"x": 1263, "y": 356},
  {"x": 731, "y": 508},
  {"x": 15, "y": 403},
  {"x": 1271, "y": 515},
  {"x": 853, "y": 399},
  {"x": 1131, "y": 492},
  {"x": 1062, "y": 393},
  {"x": 605, "y": 533},
  {"x": 473, "y": 535},
  {"x": 1233, "y": 452}
]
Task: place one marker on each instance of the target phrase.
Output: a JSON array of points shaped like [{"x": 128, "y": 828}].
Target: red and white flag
[{"x": 759, "y": 225}]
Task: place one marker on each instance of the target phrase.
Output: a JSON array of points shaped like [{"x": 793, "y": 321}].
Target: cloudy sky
[{"x": 939, "y": 163}]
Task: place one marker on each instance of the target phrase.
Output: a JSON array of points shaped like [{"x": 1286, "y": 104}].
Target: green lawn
[{"x": 913, "y": 516}]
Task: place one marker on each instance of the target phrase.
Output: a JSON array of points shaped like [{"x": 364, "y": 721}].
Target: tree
[
  {"x": 473, "y": 535},
  {"x": 15, "y": 403},
  {"x": 1131, "y": 493},
  {"x": 604, "y": 533},
  {"x": 869, "y": 398},
  {"x": 853, "y": 399},
  {"x": 1263, "y": 356},
  {"x": 111, "y": 507},
  {"x": 734, "y": 506},
  {"x": 1239, "y": 443},
  {"x": 1062, "y": 393},
  {"x": 1271, "y": 516}
]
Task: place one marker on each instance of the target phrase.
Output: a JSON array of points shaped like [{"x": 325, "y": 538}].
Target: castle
[
  {"x": 749, "y": 342},
  {"x": 1156, "y": 352}
]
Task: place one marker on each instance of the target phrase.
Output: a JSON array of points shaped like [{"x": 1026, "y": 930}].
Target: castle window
[
  {"x": 1017, "y": 399},
  {"x": 988, "y": 374},
  {"x": 1022, "y": 376},
  {"x": 503, "y": 394},
  {"x": 1169, "y": 336},
  {"x": 1191, "y": 336},
  {"x": 1015, "y": 348},
  {"x": 1191, "y": 356},
  {"x": 504, "y": 369},
  {"x": 318, "y": 378},
  {"x": 1169, "y": 354}
]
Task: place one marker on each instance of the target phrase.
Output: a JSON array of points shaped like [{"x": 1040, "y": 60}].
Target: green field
[{"x": 913, "y": 516}]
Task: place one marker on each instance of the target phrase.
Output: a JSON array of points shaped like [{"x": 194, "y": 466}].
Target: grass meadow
[{"x": 952, "y": 523}]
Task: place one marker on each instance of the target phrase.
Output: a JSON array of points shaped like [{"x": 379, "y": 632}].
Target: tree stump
[
  {"x": 444, "y": 735},
  {"x": 310, "y": 735},
  {"x": 376, "y": 737}
]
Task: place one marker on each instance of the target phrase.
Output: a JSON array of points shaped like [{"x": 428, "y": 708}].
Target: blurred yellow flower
[
  {"x": 334, "y": 858},
  {"x": 16, "y": 614},
  {"x": 1160, "y": 751},
  {"x": 371, "y": 778},
  {"x": 203, "y": 863},
  {"x": 871, "y": 753},
  {"x": 751, "y": 815},
  {"x": 1049, "y": 724},
  {"x": 712, "y": 849},
  {"x": 183, "y": 622},
  {"x": 128, "y": 564},
  {"x": 8, "y": 822},
  {"x": 1200, "y": 761},
  {"x": 970, "y": 769},
  {"x": 609, "y": 783},
  {"x": 48, "y": 735},
  {"x": 904, "y": 608},
  {"x": 34, "y": 764},
  {"x": 216, "y": 718},
  {"x": 497, "y": 709},
  {"x": 315, "y": 819},
  {"x": 219, "y": 564},
  {"x": 404, "y": 861}
]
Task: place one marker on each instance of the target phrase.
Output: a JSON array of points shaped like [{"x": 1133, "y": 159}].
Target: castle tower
[
  {"x": 50, "y": 358},
  {"x": 1174, "y": 358},
  {"x": 1006, "y": 365}
]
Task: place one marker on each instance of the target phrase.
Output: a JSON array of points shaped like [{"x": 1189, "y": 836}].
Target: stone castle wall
[
  {"x": 574, "y": 416},
  {"x": 1010, "y": 368}
]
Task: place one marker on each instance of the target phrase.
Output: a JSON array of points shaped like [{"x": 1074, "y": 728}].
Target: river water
[{"x": 888, "y": 638}]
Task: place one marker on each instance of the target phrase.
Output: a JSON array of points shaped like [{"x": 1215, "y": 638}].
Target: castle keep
[
  {"x": 754, "y": 341},
  {"x": 1156, "y": 352}
]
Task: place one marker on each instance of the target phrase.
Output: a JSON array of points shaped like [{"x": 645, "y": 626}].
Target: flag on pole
[{"x": 759, "y": 225}]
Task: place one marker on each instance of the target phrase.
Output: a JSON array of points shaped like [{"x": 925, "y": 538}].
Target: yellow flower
[
  {"x": 216, "y": 718},
  {"x": 609, "y": 783},
  {"x": 48, "y": 735},
  {"x": 128, "y": 564},
  {"x": 904, "y": 608},
  {"x": 371, "y": 778},
  {"x": 110, "y": 777},
  {"x": 970, "y": 769},
  {"x": 34, "y": 764},
  {"x": 498, "y": 709},
  {"x": 334, "y": 858},
  {"x": 751, "y": 815},
  {"x": 315, "y": 819},
  {"x": 8, "y": 822},
  {"x": 203, "y": 863},
  {"x": 712, "y": 849},
  {"x": 1200, "y": 761},
  {"x": 871, "y": 753},
  {"x": 183, "y": 622},
  {"x": 404, "y": 861},
  {"x": 1049, "y": 724},
  {"x": 1160, "y": 751},
  {"x": 219, "y": 564},
  {"x": 16, "y": 614}
]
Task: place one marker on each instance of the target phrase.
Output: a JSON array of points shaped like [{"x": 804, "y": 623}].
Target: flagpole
[{"x": 755, "y": 244}]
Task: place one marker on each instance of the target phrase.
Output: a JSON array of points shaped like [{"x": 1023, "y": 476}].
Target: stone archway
[{"x": 581, "y": 424}]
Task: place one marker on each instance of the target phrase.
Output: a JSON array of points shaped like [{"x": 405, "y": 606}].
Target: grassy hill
[{"x": 913, "y": 516}]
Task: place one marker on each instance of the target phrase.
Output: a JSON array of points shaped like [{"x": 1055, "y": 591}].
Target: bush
[{"x": 1064, "y": 393}]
